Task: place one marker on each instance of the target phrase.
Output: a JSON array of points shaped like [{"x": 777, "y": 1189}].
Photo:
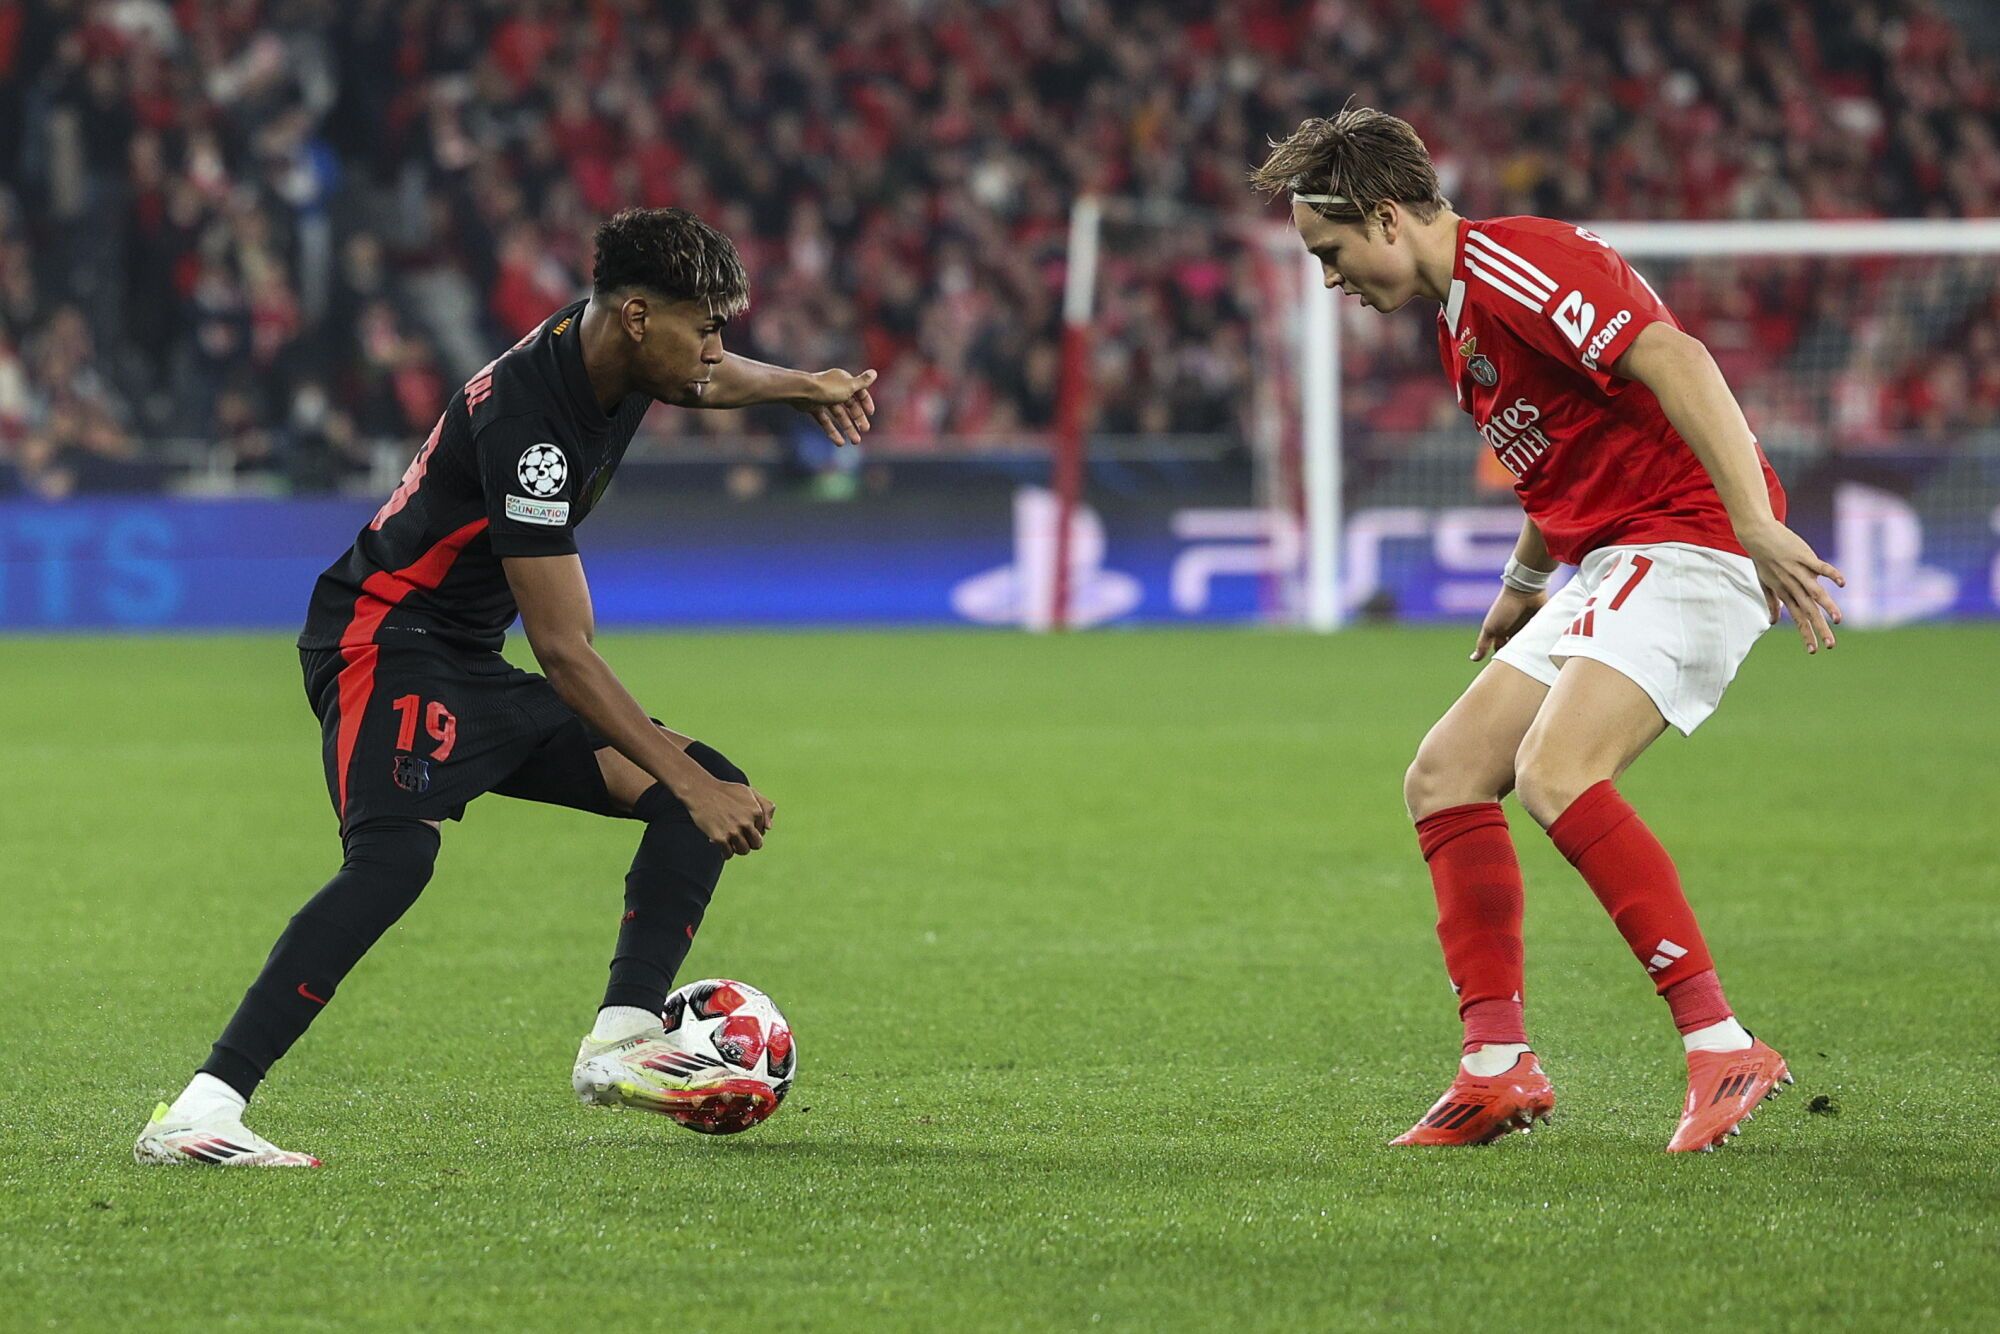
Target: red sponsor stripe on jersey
[
  {"x": 383, "y": 590},
  {"x": 380, "y": 594}
]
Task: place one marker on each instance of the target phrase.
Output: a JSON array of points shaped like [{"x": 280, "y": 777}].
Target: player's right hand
[
  {"x": 1504, "y": 619},
  {"x": 734, "y": 816},
  {"x": 840, "y": 403}
]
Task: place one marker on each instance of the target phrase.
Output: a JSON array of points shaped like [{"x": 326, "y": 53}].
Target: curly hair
[
  {"x": 1362, "y": 155},
  {"x": 672, "y": 252}
]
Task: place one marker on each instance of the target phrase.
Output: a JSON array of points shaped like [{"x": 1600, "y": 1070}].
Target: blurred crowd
[{"x": 294, "y": 226}]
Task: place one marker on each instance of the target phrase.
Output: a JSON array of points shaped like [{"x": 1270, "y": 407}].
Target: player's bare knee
[
  {"x": 1438, "y": 779},
  {"x": 1547, "y": 779},
  {"x": 1420, "y": 787}
]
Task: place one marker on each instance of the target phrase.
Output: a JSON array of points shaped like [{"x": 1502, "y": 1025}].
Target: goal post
[
  {"x": 1885, "y": 238},
  {"x": 1319, "y": 416},
  {"x": 1292, "y": 422},
  {"x": 1072, "y": 416}
]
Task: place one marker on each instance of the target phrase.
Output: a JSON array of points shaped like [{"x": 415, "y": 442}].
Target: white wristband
[{"x": 1525, "y": 578}]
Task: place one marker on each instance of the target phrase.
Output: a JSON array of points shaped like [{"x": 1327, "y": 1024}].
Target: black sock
[
  {"x": 673, "y": 876},
  {"x": 388, "y": 863}
]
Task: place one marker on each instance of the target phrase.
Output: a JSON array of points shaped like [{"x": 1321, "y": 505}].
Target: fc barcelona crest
[
  {"x": 1481, "y": 368},
  {"x": 412, "y": 773}
]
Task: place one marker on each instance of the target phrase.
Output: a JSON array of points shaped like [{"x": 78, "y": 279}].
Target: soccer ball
[{"x": 733, "y": 1041}]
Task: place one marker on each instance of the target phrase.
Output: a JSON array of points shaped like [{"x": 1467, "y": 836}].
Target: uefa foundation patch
[{"x": 549, "y": 513}]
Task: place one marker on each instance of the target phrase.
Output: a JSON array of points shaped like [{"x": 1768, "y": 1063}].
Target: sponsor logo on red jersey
[
  {"x": 1604, "y": 337},
  {"x": 1514, "y": 437}
]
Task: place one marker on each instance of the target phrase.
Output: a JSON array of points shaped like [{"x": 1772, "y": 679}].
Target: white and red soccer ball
[{"x": 732, "y": 1039}]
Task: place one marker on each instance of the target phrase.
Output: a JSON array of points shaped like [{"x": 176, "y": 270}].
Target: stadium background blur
[{"x": 257, "y": 239}]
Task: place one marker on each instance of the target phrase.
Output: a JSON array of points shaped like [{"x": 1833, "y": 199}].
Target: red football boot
[
  {"x": 1478, "y": 1109},
  {"x": 1724, "y": 1088}
]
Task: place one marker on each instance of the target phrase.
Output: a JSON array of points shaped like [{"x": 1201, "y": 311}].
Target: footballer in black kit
[
  {"x": 418, "y": 607},
  {"x": 420, "y": 714}
]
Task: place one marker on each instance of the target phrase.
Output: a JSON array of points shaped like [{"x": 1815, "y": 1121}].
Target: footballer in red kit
[{"x": 1634, "y": 464}]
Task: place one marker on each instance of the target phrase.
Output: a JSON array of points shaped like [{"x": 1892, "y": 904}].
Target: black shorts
[{"x": 419, "y": 731}]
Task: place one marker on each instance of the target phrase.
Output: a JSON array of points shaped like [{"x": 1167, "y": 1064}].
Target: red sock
[
  {"x": 1478, "y": 886},
  {"x": 1634, "y": 878},
  {"x": 1697, "y": 1002}
]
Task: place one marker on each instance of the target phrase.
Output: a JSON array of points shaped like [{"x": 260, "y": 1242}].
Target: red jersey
[{"x": 1537, "y": 311}]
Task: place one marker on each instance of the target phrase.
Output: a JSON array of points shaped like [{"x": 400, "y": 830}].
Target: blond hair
[{"x": 1360, "y": 157}]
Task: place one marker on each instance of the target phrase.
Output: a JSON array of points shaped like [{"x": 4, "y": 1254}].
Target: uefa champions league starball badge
[{"x": 542, "y": 471}]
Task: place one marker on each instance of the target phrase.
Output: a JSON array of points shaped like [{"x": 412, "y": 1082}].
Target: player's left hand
[
  {"x": 1790, "y": 571},
  {"x": 840, "y": 403}
]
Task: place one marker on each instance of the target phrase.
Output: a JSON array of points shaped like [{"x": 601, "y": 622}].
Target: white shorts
[{"x": 1677, "y": 620}]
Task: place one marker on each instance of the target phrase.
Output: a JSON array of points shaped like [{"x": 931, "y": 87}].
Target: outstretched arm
[
  {"x": 1697, "y": 401},
  {"x": 556, "y": 612},
  {"x": 838, "y": 401}
]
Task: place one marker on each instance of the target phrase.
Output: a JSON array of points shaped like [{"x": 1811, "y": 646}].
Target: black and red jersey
[{"x": 520, "y": 456}]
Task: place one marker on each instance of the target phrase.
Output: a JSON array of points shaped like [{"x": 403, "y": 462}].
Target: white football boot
[
  {"x": 650, "y": 1073},
  {"x": 217, "y": 1138}
]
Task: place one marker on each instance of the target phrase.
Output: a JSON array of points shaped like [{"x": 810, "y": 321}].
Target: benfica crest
[{"x": 1482, "y": 369}]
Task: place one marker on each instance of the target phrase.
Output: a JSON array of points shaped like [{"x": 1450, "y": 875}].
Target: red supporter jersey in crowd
[{"x": 1537, "y": 313}]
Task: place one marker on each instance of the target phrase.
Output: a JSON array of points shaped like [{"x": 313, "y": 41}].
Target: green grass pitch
[{"x": 1112, "y": 964}]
